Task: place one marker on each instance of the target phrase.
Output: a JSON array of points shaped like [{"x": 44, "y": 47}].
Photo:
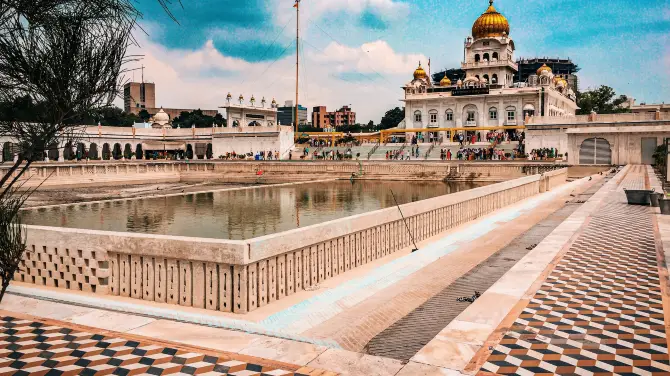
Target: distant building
[
  {"x": 321, "y": 118},
  {"x": 286, "y": 114},
  {"x": 563, "y": 68},
  {"x": 644, "y": 107},
  {"x": 138, "y": 96},
  {"x": 142, "y": 96}
]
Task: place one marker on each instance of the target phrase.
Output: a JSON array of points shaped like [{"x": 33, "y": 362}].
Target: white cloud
[
  {"x": 201, "y": 78},
  {"x": 370, "y": 57}
]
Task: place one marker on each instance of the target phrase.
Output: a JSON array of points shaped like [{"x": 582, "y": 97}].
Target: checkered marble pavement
[
  {"x": 29, "y": 347},
  {"x": 600, "y": 311}
]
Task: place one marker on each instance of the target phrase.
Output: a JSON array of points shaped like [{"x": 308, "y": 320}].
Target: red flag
[{"x": 296, "y": 3}]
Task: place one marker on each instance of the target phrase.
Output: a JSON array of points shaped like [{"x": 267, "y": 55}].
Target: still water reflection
[{"x": 242, "y": 214}]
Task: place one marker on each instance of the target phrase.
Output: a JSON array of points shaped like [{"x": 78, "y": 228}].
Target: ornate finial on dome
[
  {"x": 252, "y": 100},
  {"x": 490, "y": 24},
  {"x": 263, "y": 102},
  {"x": 241, "y": 98},
  {"x": 229, "y": 97},
  {"x": 274, "y": 103}
]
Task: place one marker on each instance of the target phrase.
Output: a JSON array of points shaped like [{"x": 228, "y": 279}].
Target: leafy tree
[
  {"x": 392, "y": 118},
  {"x": 219, "y": 120},
  {"x": 371, "y": 124},
  {"x": 602, "y": 100},
  {"x": 144, "y": 115},
  {"x": 197, "y": 118},
  {"x": 309, "y": 129}
]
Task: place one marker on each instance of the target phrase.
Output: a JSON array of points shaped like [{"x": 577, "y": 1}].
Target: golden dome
[
  {"x": 445, "y": 81},
  {"x": 229, "y": 96},
  {"x": 419, "y": 73},
  {"x": 490, "y": 24},
  {"x": 543, "y": 68},
  {"x": 241, "y": 97},
  {"x": 560, "y": 81}
]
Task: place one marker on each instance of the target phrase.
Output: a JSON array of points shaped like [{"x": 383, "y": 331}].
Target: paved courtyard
[
  {"x": 600, "y": 310},
  {"x": 48, "y": 347}
]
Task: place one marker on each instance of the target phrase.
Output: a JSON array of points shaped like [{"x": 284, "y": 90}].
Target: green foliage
[
  {"x": 602, "y": 100},
  {"x": 660, "y": 156},
  {"x": 23, "y": 109},
  {"x": 304, "y": 128},
  {"x": 197, "y": 118},
  {"x": 144, "y": 115},
  {"x": 392, "y": 118}
]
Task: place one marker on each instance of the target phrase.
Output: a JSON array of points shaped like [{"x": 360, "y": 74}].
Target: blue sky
[{"x": 360, "y": 52}]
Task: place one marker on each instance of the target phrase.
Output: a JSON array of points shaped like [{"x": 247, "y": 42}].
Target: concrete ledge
[{"x": 457, "y": 344}]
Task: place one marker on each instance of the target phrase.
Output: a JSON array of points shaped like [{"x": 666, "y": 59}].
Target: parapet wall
[
  {"x": 139, "y": 172},
  {"x": 240, "y": 276}
]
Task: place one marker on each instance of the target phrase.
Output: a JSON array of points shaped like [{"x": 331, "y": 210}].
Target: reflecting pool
[{"x": 241, "y": 214}]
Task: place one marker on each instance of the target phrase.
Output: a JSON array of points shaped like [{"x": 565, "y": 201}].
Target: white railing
[{"x": 601, "y": 118}]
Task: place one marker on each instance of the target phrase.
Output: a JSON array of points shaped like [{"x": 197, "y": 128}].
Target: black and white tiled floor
[
  {"x": 600, "y": 310},
  {"x": 29, "y": 347}
]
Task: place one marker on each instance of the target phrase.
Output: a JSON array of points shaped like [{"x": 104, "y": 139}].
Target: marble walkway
[{"x": 600, "y": 311}]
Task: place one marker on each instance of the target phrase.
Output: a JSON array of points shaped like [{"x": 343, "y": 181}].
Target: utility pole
[{"x": 297, "y": 61}]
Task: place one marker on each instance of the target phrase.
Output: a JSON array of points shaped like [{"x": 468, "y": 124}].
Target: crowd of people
[
  {"x": 331, "y": 155},
  {"x": 543, "y": 154},
  {"x": 258, "y": 156}
]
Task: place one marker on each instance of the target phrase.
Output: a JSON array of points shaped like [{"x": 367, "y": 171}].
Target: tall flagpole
[{"x": 297, "y": 61}]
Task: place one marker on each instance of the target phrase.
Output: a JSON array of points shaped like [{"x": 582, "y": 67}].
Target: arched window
[
  {"x": 127, "y": 151},
  {"x": 487, "y": 57},
  {"x": 528, "y": 110},
  {"x": 486, "y": 77},
  {"x": 433, "y": 116},
  {"x": 106, "y": 152},
  {"x": 449, "y": 115},
  {"x": 495, "y": 56},
  {"x": 417, "y": 116},
  {"x": 494, "y": 79},
  {"x": 139, "y": 151},
  {"x": 493, "y": 113},
  {"x": 477, "y": 58},
  {"x": 117, "y": 153},
  {"x": 511, "y": 114}
]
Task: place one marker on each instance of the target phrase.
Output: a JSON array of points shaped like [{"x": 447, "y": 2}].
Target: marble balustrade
[{"x": 241, "y": 276}]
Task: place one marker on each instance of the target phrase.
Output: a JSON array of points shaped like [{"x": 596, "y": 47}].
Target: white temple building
[{"x": 487, "y": 96}]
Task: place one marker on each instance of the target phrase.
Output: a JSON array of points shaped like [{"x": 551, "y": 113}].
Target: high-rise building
[
  {"x": 138, "y": 96},
  {"x": 286, "y": 114},
  {"x": 321, "y": 118},
  {"x": 563, "y": 68}
]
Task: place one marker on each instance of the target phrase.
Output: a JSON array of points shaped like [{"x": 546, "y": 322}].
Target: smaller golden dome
[
  {"x": 274, "y": 101},
  {"x": 229, "y": 96},
  {"x": 241, "y": 97},
  {"x": 560, "y": 82},
  {"x": 543, "y": 68},
  {"x": 419, "y": 73},
  {"x": 252, "y": 98},
  {"x": 445, "y": 81}
]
